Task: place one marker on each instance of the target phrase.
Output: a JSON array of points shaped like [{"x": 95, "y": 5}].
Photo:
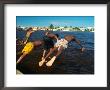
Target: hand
[
  {"x": 82, "y": 49},
  {"x": 25, "y": 42},
  {"x": 42, "y": 58}
]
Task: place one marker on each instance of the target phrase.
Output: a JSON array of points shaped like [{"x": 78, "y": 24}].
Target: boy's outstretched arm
[{"x": 78, "y": 42}]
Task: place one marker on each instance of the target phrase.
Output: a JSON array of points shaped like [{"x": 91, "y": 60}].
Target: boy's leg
[
  {"x": 26, "y": 50},
  {"x": 43, "y": 60},
  {"x": 43, "y": 54},
  {"x": 49, "y": 63},
  {"x": 21, "y": 57},
  {"x": 50, "y": 52}
]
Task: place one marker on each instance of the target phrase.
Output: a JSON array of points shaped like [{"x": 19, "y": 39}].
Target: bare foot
[
  {"x": 41, "y": 62},
  {"x": 49, "y": 63}
]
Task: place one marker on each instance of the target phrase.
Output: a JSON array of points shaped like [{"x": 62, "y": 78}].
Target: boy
[
  {"x": 46, "y": 41},
  {"x": 60, "y": 46}
]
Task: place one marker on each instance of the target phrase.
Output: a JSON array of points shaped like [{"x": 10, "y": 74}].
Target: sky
[{"x": 76, "y": 21}]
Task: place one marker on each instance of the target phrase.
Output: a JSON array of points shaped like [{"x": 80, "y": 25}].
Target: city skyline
[{"x": 42, "y": 21}]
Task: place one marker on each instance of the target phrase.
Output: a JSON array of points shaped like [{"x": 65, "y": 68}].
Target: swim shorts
[
  {"x": 28, "y": 48},
  {"x": 62, "y": 42},
  {"x": 48, "y": 42}
]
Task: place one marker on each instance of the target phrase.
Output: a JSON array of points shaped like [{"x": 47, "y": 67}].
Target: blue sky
[{"x": 85, "y": 21}]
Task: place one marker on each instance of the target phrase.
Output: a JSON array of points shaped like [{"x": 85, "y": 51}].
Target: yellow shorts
[{"x": 28, "y": 48}]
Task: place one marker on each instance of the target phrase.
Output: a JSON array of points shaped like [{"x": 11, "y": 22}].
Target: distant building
[
  {"x": 60, "y": 28},
  {"x": 23, "y": 28},
  {"x": 82, "y": 28},
  {"x": 90, "y": 29},
  {"x": 34, "y": 28}
]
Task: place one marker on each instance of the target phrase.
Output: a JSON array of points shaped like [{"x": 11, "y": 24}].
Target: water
[{"x": 71, "y": 61}]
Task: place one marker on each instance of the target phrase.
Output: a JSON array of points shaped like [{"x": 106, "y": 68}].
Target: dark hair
[
  {"x": 29, "y": 29},
  {"x": 57, "y": 35}
]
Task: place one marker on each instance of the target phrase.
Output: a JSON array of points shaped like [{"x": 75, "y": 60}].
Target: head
[{"x": 29, "y": 29}]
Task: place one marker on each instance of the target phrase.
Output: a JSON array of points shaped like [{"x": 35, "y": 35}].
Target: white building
[
  {"x": 82, "y": 28},
  {"x": 90, "y": 28},
  {"x": 34, "y": 28},
  {"x": 23, "y": 27}
]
